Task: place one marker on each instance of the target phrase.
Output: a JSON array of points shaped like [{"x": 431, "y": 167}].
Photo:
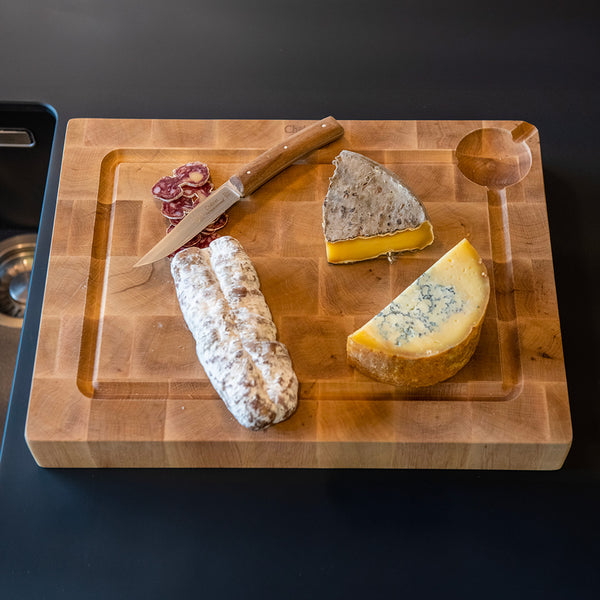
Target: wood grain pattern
[{"x": 116, "y": 380}]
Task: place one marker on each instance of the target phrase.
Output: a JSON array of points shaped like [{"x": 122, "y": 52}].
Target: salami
[
  {"x": 180, "y": 193},
  {"x": 177, "y": 209},
  {"x": 189, "y": 192},
  {"x": 205, "y": 189},
  {"x": 167, "y": 189},
  {"x": 219, "y": 294},
  {"x": 217, "y": 224},
  {"x": 184, "y": 181},
  {"x": 194, "y": 174}
]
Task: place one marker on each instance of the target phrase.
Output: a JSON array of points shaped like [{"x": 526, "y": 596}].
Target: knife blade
[
  {"x": 247, "y": 180},
  {"x": 195, "y": 221}
]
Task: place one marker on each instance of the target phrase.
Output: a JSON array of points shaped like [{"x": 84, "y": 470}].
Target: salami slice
[
  {"x": 167, "y": 189},
  {"x": 205, "y": 189},
  {"x": 202, "y": 240},
  {"x": 193, "y": 174},
  {"x": 189, "y": 192},
  {"x": 208, "y": 233},
  {"x": 217, "y": 224},
  {"x": 177, "y": 209}
]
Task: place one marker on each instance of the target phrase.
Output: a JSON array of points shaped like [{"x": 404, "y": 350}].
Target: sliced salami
[
  {"x": 177, "y": 209},
  {"x": 189, "y": 192},
  {"x": 180, "y": 193},
  {"x": 167, "y": 189},
  {"x": 202, "y": 240},
  {"x": 193, "y": 174},
  {"x": 217, "y": 224},
  {"x": 205, "y": 189}
]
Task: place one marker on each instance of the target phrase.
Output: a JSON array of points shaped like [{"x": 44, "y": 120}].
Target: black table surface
[{"x": 317, "y": 533}]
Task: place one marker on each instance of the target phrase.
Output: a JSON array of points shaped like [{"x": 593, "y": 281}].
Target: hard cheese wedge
[
  {"x": 369, "y": 211},
  {"x": 430, "y": 331}
]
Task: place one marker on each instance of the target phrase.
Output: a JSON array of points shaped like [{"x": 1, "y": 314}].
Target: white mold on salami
[
  {"x": 273, "y": 361},
  {"x": 219, "y": 294}
]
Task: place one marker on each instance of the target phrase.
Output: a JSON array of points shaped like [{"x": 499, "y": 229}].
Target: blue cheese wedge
[
  {"x": 368, "y": 212},
  {"x": 430, "y": 331}
]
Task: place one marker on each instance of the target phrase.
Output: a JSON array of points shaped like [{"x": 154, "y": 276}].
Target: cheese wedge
[
  {"x": 368, "y": 211},
  {"x": 430, "y": 331}
]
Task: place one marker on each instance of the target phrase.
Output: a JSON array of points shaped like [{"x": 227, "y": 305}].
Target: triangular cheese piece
[
  {"x": 430, "y": 331},
  {"x": 369, "y": 211}
]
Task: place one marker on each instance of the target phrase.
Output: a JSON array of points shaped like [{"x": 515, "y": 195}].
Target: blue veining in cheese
[
  {"x": 436, "y": 312},
  {"x": 426, "y": 305}
]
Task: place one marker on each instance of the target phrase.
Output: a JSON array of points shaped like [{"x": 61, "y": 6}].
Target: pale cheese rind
[
  {"x": 369, "y": 211},
  {"x": 430, "y": 331}
]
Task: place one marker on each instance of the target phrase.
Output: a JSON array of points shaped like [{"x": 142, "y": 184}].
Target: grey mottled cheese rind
[
  {"x": 219, "y": 294},
  {"x": 366, "y": 199}
]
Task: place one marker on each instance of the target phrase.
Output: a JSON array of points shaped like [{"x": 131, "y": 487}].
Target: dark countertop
[{"x": 335, "y": 534}]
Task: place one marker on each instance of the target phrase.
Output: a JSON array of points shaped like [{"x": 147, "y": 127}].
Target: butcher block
[{"x": 117, "y": 383}]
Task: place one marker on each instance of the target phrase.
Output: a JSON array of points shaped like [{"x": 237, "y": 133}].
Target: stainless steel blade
[{"x": 193, "y": 223}]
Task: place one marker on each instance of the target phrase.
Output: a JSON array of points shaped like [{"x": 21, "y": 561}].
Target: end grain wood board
[{"x": 117, "y": 383}]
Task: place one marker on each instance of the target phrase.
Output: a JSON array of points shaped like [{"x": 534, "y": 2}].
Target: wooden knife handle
[{"x": 282, "y": 155}]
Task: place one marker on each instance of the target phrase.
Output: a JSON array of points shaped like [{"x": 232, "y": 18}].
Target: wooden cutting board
[{"x": 117, "y": 382}]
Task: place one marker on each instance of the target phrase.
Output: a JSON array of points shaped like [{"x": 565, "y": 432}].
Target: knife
[{"x": 243, "y": 183}]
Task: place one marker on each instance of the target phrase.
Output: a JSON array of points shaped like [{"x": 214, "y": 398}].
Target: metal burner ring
[{"x": 16, "y": 262}]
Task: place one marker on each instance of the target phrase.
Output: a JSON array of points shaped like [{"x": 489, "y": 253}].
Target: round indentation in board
[{"x": 16, "y": 261}]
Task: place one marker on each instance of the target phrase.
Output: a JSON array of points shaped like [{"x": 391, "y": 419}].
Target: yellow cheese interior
[
  {"x": 436, "y": 312},
  {"x": 365, "y": 248}
]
